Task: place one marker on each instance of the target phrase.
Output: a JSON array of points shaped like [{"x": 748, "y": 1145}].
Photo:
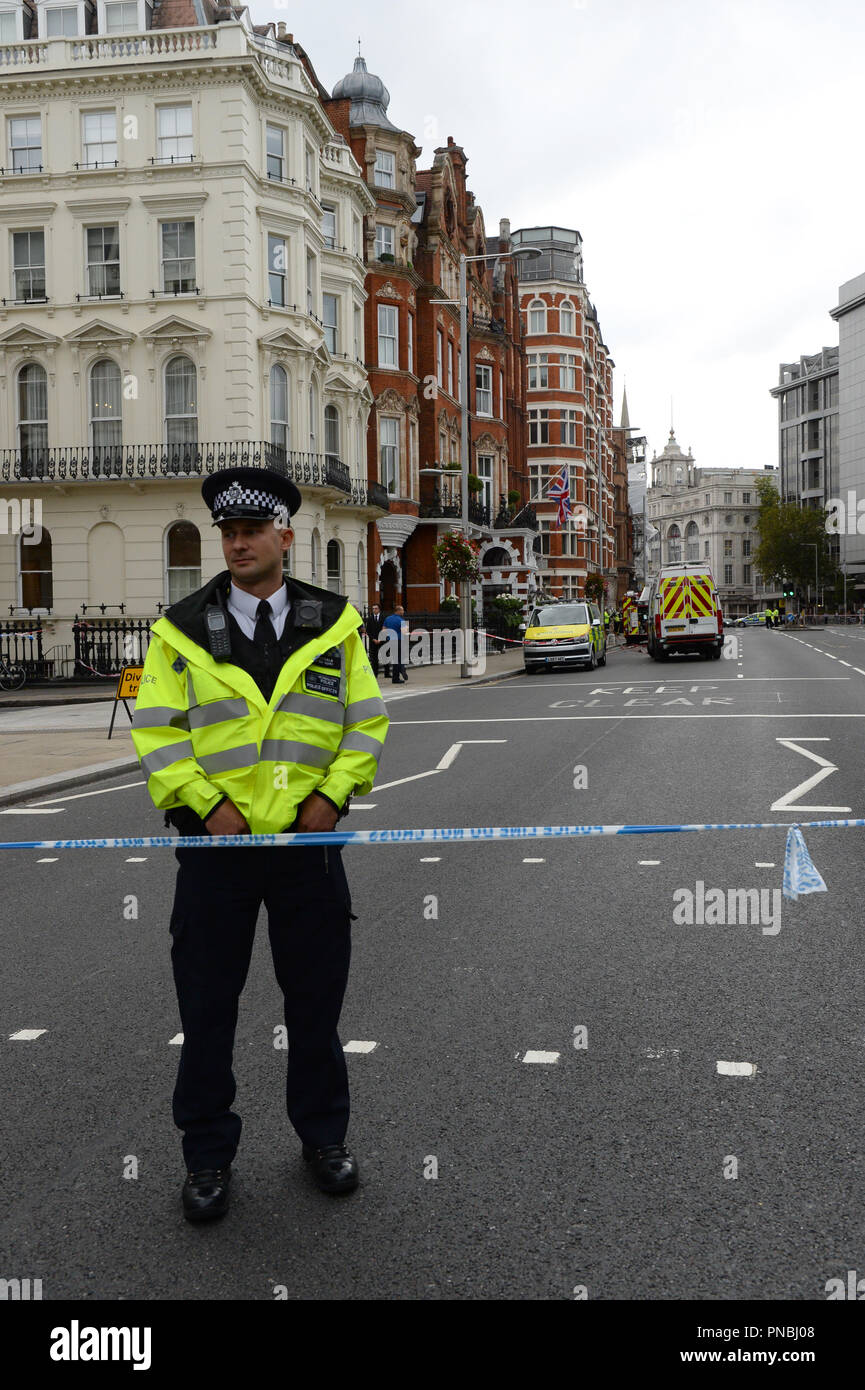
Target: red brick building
[
  {"x": 623, "y": 521},
  {"x": 569, "y": 404},
  {"x": 424, "y": 221}
]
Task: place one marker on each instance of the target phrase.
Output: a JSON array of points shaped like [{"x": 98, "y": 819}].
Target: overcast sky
[{"x": 709, "y": 151}]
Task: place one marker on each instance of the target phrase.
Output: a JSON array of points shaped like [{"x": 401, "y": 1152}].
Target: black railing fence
[
  {"x": 103, "y": 646},
  {"x": 21, "y": 645}
]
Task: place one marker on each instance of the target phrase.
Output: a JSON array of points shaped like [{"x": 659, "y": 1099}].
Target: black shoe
[
  {"x": 334, "y": 1167},
  {"x": 205, "y": 1195}
]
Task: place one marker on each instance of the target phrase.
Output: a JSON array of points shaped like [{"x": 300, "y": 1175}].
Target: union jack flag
[{"x": 559, "y": 491}]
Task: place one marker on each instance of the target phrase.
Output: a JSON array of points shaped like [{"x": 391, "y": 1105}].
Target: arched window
[
  {"x": 35, "y": 571},
  {"x": 331, "y": 431},
  {"x": 182, "y": 560},
  {"x": 32, "y": 416},
  {"x": 181, "y": 402},
  {"x": 334, "y": 566},
  {"x": 674, "y": 545},
  {"x": 280, "y": 429},
  {"x": 313, "y": 417},
  {"x": 567, "y": 321},
  {"x": 105, "y": 416},
  {"x": 315, "y": 556},
  {"x": 692, "y": 538},
  {"x": 361, "y": 575},
  {"x": 537, "y": 316}
]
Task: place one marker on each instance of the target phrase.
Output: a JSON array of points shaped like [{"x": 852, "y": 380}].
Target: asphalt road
[{"x": 608, "y": 1167}]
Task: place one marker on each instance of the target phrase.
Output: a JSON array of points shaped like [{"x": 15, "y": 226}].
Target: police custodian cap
[{"x": 256, "y": 494}]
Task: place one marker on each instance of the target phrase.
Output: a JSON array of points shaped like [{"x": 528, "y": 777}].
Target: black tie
[{"x": 265, "y": 635}]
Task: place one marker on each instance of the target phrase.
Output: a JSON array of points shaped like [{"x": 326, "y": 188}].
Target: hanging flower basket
[{"x": 457, "y": 557}]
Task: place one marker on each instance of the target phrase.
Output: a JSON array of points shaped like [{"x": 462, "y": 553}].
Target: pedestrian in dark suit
[{"x": 373, "y": 627}]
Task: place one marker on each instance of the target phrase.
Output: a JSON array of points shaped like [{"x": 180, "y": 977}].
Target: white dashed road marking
[
  {"x": 176, "y": 1041},
  {"x": 432, "y": 859},
  {"x": 27, "y": 1034},
  {"x": 546, "y": 1057},
  {"x": 47, "y": 861},
  {"x": 137, "y": 861},
  {"x": 79, "y": 796},
  {"x": 360, "y": 1046},
  {"x": 761, "y": 864},
  {"x": 534, "y": 861},
  {"x": 648, "y": 861},
  {"x": 736, "y": 1068}
]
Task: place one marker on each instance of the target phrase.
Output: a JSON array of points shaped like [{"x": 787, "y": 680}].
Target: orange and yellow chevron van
[{"x": 685, "y": 612}]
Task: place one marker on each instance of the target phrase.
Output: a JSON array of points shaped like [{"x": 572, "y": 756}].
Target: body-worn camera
[{"x": 307, "y": 612}]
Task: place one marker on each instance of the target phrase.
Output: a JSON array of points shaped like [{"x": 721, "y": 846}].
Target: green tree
[{"x": 788, "y": 534}]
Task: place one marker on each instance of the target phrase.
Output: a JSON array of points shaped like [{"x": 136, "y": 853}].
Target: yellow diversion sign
[
  {"x": 127, "y": 689},
  {"x": 130, "y": 680}
]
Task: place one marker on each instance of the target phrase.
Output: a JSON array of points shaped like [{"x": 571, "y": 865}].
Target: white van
[{"x": 684, "y": 612}]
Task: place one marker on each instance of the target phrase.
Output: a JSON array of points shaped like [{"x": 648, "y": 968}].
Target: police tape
[{"x": 800, "y": 875}]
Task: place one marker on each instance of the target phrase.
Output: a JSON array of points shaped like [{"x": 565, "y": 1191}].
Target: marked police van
[{"x": 684, "y": 612}]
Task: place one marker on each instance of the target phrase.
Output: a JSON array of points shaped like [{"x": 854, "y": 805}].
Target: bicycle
[{"x": 12, "y": 675}]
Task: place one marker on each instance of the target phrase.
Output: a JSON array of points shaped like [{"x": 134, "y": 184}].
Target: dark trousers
[
  {"x": 373, "y": 656},
  {"x": 216, "y": 903}
]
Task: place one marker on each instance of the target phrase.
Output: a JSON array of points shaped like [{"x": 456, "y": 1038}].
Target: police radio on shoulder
[{"x": 218, "y": 636}]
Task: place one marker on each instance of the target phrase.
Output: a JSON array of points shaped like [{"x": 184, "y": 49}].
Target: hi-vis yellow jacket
[{"x": 203, "y": 730}]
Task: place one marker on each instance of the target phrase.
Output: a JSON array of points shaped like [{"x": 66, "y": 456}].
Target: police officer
[{"x": 258, "y": 713}]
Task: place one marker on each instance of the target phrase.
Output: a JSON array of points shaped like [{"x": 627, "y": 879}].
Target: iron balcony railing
[
  {"x": 515, "y": 519},
  {"x": 444, "y": 501},
  {"x": 136, "y": 461},
  {"x": 377, "y": 496}
]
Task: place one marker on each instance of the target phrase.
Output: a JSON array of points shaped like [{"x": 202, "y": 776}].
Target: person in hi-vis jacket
[{"x": 257, "y": 713}]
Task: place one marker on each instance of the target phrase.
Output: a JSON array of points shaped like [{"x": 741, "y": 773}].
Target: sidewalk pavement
[{"x": 52, "y": 739}]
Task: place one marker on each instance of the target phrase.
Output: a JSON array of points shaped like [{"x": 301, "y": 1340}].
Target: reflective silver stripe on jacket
[
  {"x": 229, "y": 759},
  {"x": 191, "y": 699},
  {"x": 216, "y": 711},
  {"x": 356, "y": 742},
  {"x": 317, "y": 706},
  {"x": 365, "y": 709},
  {"x": 343, "y": 679},
  {"x": 160, "y": 717},
  {"x": 280, "y": 750},
  {"x": 163, "y": 757}
]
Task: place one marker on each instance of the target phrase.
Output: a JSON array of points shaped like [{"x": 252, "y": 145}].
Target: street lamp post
[
  {"x": 465, "y": 588},
  {"x": 812, "y": 545}
]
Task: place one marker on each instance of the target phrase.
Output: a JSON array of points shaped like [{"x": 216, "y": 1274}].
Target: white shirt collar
[{"x": 248, "y": 603}]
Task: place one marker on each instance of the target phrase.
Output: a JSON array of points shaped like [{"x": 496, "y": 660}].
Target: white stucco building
[{"x": 181, "y": 288}]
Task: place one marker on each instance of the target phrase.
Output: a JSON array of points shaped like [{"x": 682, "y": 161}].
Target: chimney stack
[
  {"x": 505, "y": 229},
  {"x": 280, "y": 31}
]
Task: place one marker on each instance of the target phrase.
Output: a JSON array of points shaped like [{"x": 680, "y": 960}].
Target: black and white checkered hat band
[{"x": 237, "y": 496}]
